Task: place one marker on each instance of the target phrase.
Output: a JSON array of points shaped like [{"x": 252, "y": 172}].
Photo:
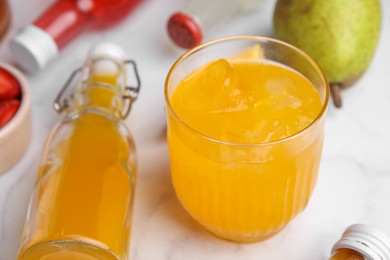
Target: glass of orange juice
[{"x": 245, "y": 122}]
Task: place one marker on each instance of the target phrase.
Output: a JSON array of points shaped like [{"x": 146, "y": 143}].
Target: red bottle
[{"x": 36, "y": 44}]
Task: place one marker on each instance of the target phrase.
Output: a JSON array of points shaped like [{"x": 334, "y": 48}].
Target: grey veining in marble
[{"x": 354, "y": 178}]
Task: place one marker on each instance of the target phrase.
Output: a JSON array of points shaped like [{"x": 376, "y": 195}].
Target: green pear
[{"x": 340, "y": 35}]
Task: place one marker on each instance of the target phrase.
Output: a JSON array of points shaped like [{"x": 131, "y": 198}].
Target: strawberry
[
  {"x": 8, "y": 109},
  {"x": 9, "y": 86}
]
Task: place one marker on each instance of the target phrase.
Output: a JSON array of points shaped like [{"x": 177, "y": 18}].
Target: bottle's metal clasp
[
  {"x": 59, "y": 103},
  {"x": 131, "y": 91},
  {"x": 130, "y": 95}
]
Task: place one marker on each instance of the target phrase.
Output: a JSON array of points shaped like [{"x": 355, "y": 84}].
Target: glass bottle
[
  {"x": 81, "y": 207},
  {"x": 187, "y": 27},
  {"x": 38, "y": 43},
  {"x": 362, "y": 242}
]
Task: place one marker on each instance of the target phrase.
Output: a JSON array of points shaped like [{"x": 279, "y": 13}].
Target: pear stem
[{"x": 335, "y": 91}]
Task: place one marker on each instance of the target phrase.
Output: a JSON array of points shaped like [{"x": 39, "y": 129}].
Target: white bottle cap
[
  {"x": 33, "y": 48},
  {"x": 107, "y": 49},
  {"x": 367, "y": 240}
]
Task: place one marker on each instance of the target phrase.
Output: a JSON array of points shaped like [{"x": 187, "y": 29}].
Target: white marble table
[{"x": 354, "y": 179}]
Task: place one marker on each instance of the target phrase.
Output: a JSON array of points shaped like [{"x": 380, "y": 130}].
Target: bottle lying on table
[
  {"x": 81, "y": 206},
  {"x": 36, "y": 44},
  {"x": 361, "y": 242}
]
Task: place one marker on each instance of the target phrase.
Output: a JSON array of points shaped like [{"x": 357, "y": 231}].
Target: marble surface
[{"x": 354, "y": 178}]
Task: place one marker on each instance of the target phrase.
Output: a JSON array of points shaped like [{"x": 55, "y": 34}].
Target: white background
[{"x": 354, "y": 179}]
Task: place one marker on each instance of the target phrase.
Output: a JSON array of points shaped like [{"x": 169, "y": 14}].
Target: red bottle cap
[{"x": 184, "y": 30}]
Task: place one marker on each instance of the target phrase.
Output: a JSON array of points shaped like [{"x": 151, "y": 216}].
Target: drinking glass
[{"x": 244, "y": 192}]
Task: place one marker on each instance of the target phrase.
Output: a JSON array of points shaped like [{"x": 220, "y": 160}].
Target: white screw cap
[
  {"x": 367, "y": 240},
  {"x": 33, "y": 48}
]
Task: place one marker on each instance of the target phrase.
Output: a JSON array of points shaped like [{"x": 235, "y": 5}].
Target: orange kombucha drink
[{"x": 245, "y": 137}]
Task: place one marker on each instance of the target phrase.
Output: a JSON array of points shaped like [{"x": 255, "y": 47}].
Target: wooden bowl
[{"x": 15, "y": 135}]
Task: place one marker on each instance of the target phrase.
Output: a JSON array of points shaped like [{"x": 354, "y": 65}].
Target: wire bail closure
[{"x": 131, "y": 92}]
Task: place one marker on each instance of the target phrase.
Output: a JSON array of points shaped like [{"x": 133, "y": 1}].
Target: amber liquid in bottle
[
  {"x": 82, "y": 204},
  {"x": 347, "y": 254}
]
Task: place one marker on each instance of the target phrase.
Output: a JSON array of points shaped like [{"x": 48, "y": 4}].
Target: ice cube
[{"x": 204, "y": 88}]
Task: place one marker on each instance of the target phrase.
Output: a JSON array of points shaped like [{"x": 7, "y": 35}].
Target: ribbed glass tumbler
[{"x": 244, "y": 192}]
